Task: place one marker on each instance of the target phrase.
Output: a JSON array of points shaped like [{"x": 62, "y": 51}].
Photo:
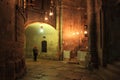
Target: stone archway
[{"x": 37, "y": 32}]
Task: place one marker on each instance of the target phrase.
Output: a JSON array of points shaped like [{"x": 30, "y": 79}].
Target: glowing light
[
  {"x": 77, "y": 33},
  {"x": 41, "y": 29},
  {"x": 85, "y": 32},
  {"x": 73, "y": 33},
  {"x": 51, "y": 14},
  {"x": 46, "y": 18},
  {"x": 25, "y": 4}
]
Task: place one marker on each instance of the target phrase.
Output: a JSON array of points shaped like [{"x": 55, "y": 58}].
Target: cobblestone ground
[{"x": 56, "y": 70}]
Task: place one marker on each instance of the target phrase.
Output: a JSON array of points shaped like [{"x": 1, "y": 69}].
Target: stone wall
[
  {"x": 73, "y": 20},
  {"x": 12, "y": 62}
]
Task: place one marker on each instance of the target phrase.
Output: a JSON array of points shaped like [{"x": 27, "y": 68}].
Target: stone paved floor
[{"x": 56, "y": 70}]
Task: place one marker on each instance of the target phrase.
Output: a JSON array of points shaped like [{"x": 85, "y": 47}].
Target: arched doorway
[{"x": 44, "y": 36}]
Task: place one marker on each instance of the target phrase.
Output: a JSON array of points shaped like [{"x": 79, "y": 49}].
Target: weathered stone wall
[
  {"x": 73, "y": 20},
  {"x": 12, "y": 62}
]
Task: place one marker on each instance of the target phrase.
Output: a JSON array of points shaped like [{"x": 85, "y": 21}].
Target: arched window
[{"x": 44, "y": 46}]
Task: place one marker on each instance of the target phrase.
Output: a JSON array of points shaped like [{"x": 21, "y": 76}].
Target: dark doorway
[{"x": 44, "y": 46}]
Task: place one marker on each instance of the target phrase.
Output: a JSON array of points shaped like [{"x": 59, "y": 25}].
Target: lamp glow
[
  {"x": 51, "y": 13},
  {"x": 46, "y": 18},
  {"x": 41, "y": 29},
  {"x": 85, "y": 32}
]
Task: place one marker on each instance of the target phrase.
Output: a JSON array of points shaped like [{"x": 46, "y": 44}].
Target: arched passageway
[{"x": 44, "y": 36}]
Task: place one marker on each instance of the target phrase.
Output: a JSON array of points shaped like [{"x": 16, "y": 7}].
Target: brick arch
[{"x": 32, "y": 21}]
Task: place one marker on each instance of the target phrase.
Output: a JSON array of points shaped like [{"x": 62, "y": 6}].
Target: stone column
[
  {"x": 59, "y": 28},
  {"x": 92, "y": 34},
  {"x": 106, "y": 33}
]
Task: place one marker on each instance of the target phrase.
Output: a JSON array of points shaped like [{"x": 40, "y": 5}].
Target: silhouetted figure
[{"x": 35, "y": 53}]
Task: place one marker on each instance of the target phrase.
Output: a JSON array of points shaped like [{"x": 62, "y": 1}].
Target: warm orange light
[
  {"x": 46, "y": 18},
  {"x": 51, "y": 14},
  {"x": 77, "y": 33},
  {"x": 73, "y": 34},
  {"x": 85, "y": 32},
  {"x": 24, "y": 4}
]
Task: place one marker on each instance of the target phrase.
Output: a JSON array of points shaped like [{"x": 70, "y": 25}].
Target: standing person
[{"x": 35, "y": 53}]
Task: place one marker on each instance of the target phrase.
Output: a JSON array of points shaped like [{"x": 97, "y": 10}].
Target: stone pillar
[
  {"x": 106, "y": 33},
  {"x": 60, "y": 29},
  {"x": 92, "y": 34}
]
